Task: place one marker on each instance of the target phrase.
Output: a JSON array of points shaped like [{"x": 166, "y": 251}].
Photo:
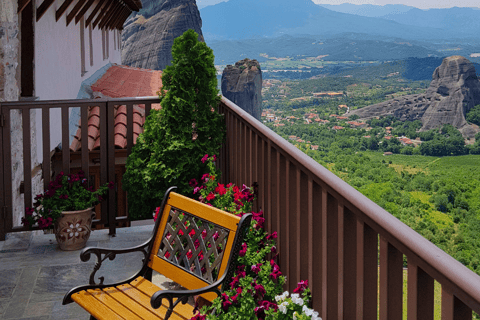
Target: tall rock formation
[
  {"x": 147, "y": 42},
  {"x": 454, "y": 90},
  {"x": 242, "y": 84}
]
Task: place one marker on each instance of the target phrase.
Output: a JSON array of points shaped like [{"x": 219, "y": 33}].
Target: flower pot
[{"x": 73, "y": 228}]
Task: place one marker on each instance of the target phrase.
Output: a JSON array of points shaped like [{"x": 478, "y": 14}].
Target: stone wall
[{"x": 10, "y": 91}]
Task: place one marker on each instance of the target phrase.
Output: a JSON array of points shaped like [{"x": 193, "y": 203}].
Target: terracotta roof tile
[{"x": 120, "y": 82}]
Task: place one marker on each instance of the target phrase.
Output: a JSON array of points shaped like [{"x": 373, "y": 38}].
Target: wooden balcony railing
[
  {"x": 350, "y": 249},
  {"x": 106, "y": 150}
]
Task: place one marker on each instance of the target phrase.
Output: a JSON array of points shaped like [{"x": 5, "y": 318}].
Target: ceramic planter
[{"x": 73, "y": 229}]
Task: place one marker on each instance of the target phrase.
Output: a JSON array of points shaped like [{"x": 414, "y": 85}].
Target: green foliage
[
  {"x": 474, "y": 115},
  {"x": 65, "y": 193},
  {"x": 176, "y": 137}
]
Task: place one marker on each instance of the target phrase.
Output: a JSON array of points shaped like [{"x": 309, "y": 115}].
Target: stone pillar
[
  {"x": 10, "y": 77},
  {"x": 9, "y": 46},
  {"x": 242, "y": 84}
]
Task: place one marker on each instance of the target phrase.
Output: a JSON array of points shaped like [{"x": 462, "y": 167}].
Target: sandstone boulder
[
  {"x": 454, "y": 90},
  {"x": 147, "y": 42},
  {"x": 242, "y": 84}
]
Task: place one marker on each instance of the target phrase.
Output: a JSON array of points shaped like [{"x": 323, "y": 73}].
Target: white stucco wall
[{"x": 58, "y": 72}]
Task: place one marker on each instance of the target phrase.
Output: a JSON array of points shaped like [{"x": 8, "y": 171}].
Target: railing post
[{"x": 112, "y": 221}]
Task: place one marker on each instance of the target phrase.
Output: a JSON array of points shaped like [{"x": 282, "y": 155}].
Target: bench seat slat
[
  {"x": 142, "y": 300},
  {"x": 94, "y": 307},
  {"x": 185, "y": 311},
  {"x": 104, "y": 297}
]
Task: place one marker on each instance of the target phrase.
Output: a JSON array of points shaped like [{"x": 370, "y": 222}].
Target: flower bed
[{"x": 256, "y": 289}]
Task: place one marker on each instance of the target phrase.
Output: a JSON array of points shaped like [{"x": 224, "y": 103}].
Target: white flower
[
  {"x": 283, "y": 307},
  {"x": 295, "y": 315},
  {"x": 315, "y": 316},
  {"x": 295, "y": 295},
  {"x": 307, "y": 311},
  {"x": 278, "y": 298},
  {"x": 297, "y": 300}
]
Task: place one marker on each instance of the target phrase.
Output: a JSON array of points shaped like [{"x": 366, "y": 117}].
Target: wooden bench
[{"x": 193, "y": 244}]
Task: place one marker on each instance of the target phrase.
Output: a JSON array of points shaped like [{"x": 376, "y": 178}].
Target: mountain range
[{"x": 243, "y": 19}]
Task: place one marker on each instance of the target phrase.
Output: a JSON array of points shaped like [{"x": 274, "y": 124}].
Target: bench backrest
[{"x": 193, "y": 242}]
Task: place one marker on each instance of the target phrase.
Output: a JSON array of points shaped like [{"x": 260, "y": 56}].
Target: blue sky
[{"x": 422, "y": 4}]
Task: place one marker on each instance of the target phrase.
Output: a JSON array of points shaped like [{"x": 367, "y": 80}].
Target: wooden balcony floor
[{"x": 35, "y": 274}]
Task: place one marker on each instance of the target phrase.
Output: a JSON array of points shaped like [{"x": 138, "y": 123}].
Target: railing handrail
[
  {"x": 441, "y": 266},
  {"x": 58, "y": 103}
]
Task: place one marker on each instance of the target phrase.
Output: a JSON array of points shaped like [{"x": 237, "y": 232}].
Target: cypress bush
[{"x": 177, "y": 136}]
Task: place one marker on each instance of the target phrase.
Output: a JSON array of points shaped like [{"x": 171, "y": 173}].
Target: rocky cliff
[
  {"x": 242, "y": 84},
  {"x": 454, "y": 90},
  {"x": 147, "y": 42}
]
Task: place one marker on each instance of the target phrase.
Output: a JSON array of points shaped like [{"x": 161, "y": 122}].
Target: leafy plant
[
  {"x": 177, "y": 136},
  {"x": 258, "y": 279},
  {"x": 65, "y": 193}
]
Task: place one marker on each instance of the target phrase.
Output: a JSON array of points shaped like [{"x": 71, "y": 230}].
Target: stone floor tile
[
  {"x": 8, "y": 280},
  {"x": 17, "y": 241},
  {"x": 37, "y": 309},
  {"x": 70, "y": 311}
]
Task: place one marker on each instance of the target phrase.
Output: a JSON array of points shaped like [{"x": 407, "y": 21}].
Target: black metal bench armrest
[
  {"x": 181, "y": 296},
  {"x": 110, "y": 254}
]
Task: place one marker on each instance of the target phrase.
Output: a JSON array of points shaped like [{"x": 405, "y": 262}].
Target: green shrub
[{"x": 176, "y": 137}]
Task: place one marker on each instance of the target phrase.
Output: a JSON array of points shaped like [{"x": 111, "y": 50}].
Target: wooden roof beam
[
  {"x": 62, "y": 9},
  {"x": 102, "y": 13},
  {"x": 83, "y": 11},
  {"x": 100, "y": 4},
  {"x": 43, "y": 8},
  {"x": 22, "y": 4},
  {"x": 74, "y": 11},
  {"x": 109, "y": 14},
  {"x": 119, "y": 23},
  {"x": 134, "y": 5},
  {"x": 114, "y": 23},
  {"x": 113, "y": 16}
]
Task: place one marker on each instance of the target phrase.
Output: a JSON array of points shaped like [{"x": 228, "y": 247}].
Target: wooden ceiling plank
[
  {"x": 22, "y": 4},
  {"x": 43, "y": 8},
  {"x": 62, "y": 9},
  {"x": 102, "y": 13},
  {"x": 94, "y": 12},
  {"x": 114, "y": 23},
  {"x": 74, "y": 11},
  {"x": 112, "y": 16},
  {"x": 83, "y": 11}
]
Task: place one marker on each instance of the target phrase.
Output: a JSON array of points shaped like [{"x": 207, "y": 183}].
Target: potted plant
[{"x": 67, "y": 208}]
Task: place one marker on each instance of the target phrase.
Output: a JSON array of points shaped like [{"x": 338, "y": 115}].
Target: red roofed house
[{"x": 117, "y": 82}]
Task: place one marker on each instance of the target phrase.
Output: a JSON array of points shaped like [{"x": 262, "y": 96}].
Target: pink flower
[
  {"x": 243, "y": 252},
  {"x": 63, "y": 196},
  {"x": 193, "y": 183},
  {"x": 272, "y": 236},
  {"x": 214, "y": 158},
  {"x": 29, "y": 211},
  {"x": 157, "y": 211},
  {"x": 111, "y": 185},
  {"x": 205, "y": 158},
  {"x": 302, "y": 285},
  {"x": 205, "y": 177},
  {"x": 256, "y": 268}
]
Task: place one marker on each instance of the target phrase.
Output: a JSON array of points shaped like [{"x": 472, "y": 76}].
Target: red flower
[
  {"x": 221, "y": 189},
  {"x": 111, "y": 185},
  {"x": 63, "y": 196},
  {"x": 193, "y": 183},
  {"x": 205, "y": 158},
  {"x": 157, "y": 211},
  {"x": 210, "y": 196},
  {"x": 29, "y": 211},
  {"x": 243, "y": 252}
]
